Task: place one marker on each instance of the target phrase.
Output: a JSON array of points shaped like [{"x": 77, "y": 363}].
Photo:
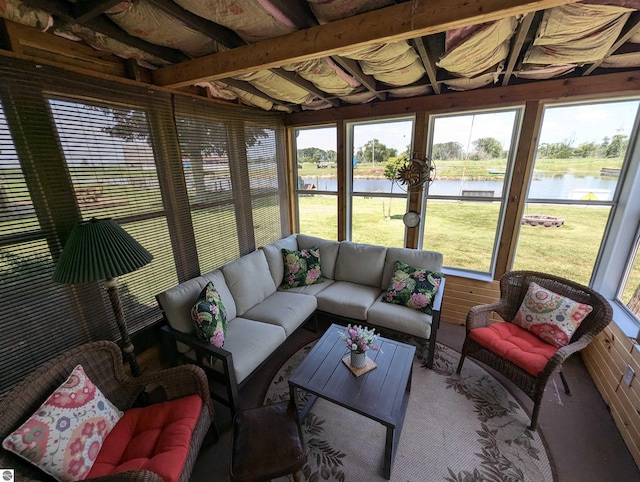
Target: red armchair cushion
[
  {"x": 155, "y": 438},
  {"x": 515, "y": 344}
]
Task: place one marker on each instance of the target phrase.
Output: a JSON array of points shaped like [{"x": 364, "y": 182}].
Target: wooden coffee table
[{"x": 381, "y": 394}]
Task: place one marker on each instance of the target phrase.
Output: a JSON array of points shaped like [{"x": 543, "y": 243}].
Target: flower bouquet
[{"x": 358, "y": 341}]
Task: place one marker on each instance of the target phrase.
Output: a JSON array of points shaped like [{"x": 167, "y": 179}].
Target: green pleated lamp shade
[{"x": 98, "y": 250}]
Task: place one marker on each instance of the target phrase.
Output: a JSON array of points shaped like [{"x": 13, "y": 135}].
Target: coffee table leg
[{"x": 389, "y": 452}]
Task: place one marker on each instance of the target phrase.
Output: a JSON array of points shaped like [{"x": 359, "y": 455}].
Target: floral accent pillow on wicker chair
[
  {"x": 210, "y": 316},
  {"x": 413, "y": 287},
  {"x": 64, "y": 436},
  {"x": 550, "y": 316},
  {"x": 301, "y": 268}
]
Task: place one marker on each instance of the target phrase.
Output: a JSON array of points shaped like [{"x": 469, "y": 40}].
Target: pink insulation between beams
[
  {"x": 475, "y": 83},
  {"x": 622, "y": 61},
  {"x": 484, "y": 49},
  {"x": 18, "y": 12},
  {"x": 535, "y": 72},
  {"x": 277, "y": 87},
  {"x": 576, "y": 33},
  {"x": 395, "y": 63},
  {"x": 143, "y": 20},
  {"x": 330, "y": 10},
  {"x": 248, "y": 18},
  {"x": 322, "y": 75}
]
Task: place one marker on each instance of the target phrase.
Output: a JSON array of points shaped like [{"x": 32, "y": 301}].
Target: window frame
[{"x": 508, "y": 177}]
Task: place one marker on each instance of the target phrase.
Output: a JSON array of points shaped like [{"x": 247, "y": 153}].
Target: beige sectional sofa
[{"x": 261, "y": 314}]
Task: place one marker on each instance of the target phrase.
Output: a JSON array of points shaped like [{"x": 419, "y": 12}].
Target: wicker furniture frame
[
  {"x": 102, "y": 361},
  {"x": 513, "y": 287}
]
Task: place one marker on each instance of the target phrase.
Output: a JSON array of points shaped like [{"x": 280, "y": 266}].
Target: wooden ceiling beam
[
  {"x": 516, "y": 46},
  {"x": 619, "y": 84},
  {"x": 220, "y": 33},
  {"x": 247, "y": 87},
  {"x": 428, "y": 63},
  {"x": 105, "y": 26},
  {"x": 305, "y": 84},
  {"x": 352, "y": 67},
  {"x": 630, "y": 29},
  {"x": 398, "y": 22},
  {"x": 89, "y": 9}
]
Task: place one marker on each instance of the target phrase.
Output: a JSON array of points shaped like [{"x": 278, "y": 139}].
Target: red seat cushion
[
  {"x": 155, "y": 438},
  {"x": 515, "y": 344}
]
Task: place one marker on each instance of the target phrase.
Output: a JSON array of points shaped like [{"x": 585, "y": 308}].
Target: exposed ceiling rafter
[
  {"x": 630, "y": 29},
  {"x": 522, "y": 32},
  {"x": 353, "y": 68},
  {"x": 428, "y": 62},
  {"x": 106, "y": 27},
  {"x": 398, "y": 22}
]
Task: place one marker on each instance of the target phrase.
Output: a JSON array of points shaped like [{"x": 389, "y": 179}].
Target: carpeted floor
[
  {"x": 578, "y": 431},
  {"x": 457, "y": 428}
]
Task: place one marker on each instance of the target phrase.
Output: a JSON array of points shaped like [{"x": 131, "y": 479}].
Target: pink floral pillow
[
  {"x": 63, "y": 437},
  {"x": 550, "y": 316}
]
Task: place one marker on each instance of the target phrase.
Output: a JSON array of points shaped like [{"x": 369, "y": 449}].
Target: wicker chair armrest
[
  {"x": 478, "y": 316},
  {"x": 130, "y": 476},
  {"x": 176, "y": 382},
  {"x": 558, "y": 358}
]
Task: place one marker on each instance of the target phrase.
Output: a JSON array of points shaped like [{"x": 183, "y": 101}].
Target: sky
[{"x": 575, "y": 123}]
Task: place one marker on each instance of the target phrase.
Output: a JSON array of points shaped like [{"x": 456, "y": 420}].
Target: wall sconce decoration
[{"x": 416, "y": 172}]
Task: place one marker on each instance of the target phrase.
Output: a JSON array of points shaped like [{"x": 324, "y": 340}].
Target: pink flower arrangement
[{"x": 359, "y": 339}]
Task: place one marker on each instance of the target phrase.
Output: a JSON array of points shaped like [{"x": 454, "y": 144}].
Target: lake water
[{"x": 543, "y": 187}]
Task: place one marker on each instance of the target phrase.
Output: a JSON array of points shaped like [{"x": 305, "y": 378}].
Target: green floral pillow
[
  {"x": 412, "y": 287},
  {"x": 301, "y": 268},
  {"x": 209, "y": 316}
]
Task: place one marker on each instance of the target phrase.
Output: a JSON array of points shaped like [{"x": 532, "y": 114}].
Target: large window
[
  {"x": 463, "y": 206},
  {"x": 574, "y": 187},
  {"x": 378, "y": 202},
  {"x": 317, "y": 181},
  {"x": 196, "y": 183}
]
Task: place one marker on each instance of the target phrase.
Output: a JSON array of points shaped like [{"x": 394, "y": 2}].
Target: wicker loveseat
[{"x": 102, "y": 362}]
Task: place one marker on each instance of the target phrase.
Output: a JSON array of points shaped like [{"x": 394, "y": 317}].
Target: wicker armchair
[
  {"x": 102, "y": 361},
  {"x": 513, "y": 287}
]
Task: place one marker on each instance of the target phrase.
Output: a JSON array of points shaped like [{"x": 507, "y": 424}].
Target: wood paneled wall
[
  {"x": 606, "y": 359},
  {"x": 461, "y": 294}
]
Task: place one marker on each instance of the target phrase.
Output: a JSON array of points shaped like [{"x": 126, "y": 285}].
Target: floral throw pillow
[
  {"x": 210, "y": 316},
  {"x": 301, "y": 268},
  {"x": 550, "y": 316},
  {"x": 413, "y": 287},
  {"x": 64, "y": 436}
]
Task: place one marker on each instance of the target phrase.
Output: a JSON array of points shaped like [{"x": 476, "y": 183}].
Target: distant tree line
[{"x": 490, "y": 148}]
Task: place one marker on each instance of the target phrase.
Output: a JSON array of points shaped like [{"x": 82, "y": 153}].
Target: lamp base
[{"x": 128, "y": 350}]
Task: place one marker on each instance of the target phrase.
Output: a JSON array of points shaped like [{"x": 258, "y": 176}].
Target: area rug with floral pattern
[{"x": 463, "y": 428}]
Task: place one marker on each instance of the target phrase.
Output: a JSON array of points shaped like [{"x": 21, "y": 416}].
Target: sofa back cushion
[
  {"x": 177, "y": 302},
  {"x": 328, "y": 252},
  {"x": 429, "y": 260},
  {"x": 249, "y": 280},
  {"x": 273, "y": 253},
  {"x": 360, "y": 263}
]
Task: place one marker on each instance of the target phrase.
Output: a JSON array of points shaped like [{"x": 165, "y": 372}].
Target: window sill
[
  {"x": 625, "y": 322},
  {"x": 461, "y": 273}
]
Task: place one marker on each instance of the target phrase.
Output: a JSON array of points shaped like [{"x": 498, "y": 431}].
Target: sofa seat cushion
[
  {"x": 250, "y": 342},
  {"x": 155, "y": 438},
  {"x": 519, "y": 346},
  {"x": 360, "y": 263},
  {"x": 347, "y": 299},
  {"x": 285, "y": 309},
  {"x": 249, "y": 280},
  {"x": 399, "y": 318},
  {"x": 312, "y": 290}
]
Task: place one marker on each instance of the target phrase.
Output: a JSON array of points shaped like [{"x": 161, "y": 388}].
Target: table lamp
[{"x": 97, "y": 250}]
